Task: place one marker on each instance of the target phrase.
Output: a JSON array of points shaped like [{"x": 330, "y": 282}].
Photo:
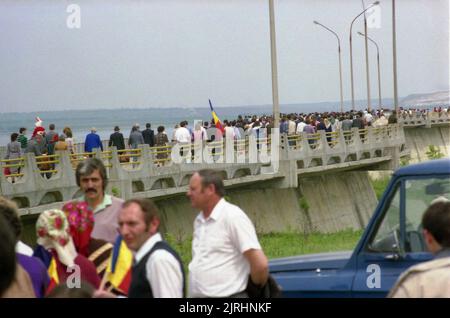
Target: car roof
[{"x": 439, "y": 166}]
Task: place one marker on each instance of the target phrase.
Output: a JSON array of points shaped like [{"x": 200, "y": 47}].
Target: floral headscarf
[
  {"x": 52, "y": 230},
  {"x": 81, "y": 224}
]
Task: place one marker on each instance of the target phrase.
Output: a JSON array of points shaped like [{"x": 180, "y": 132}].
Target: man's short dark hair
[
  {"x": 9, "y": 210},
  {"x": 7, "y": 255},
  {"x": 147, "y": 125},
  {"x": 88, "y": 166},
  {"x": 51, "y": 126},
  {"x": 436, "y": 220},
  {"x": 147, "y": 206},
  {"x": 210, "y": 176},
  {"x": 22, "y": 129}
]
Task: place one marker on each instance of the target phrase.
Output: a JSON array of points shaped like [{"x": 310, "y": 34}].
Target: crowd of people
[{"x": 45, "y": 142}]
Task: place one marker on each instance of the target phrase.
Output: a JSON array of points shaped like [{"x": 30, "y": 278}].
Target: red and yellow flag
[
  {"x": 53, "y": 274},
  {"x": 216, "y": 119},
  {"x": 119, "y": 268}
]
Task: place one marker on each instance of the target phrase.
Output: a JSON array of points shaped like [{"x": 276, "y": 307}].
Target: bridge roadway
[{"x": 45, "y": 182}]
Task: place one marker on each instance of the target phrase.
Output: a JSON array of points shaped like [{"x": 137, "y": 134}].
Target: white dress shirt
[
  {"x": 163, "y": 270},
  {"x": 183, "y": 135},
  {"x": 300, "y": 127},
  {"x": 219, "y": 267}
]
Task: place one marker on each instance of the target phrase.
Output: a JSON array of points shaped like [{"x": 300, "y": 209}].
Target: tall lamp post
[
  {"x": 378, "y": 65},
  {"x": 394, "y": 53},
  {"x": 273, "y": 54},
  {"x": 367, "y": 61},
  {"x": 351, "y": 51},
  {"x": 340, "y": 62}
]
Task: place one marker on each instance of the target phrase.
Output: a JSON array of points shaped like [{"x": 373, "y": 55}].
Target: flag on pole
[
  {"x": 118, "y": 272},
  {"x": 216, "y": 119}
]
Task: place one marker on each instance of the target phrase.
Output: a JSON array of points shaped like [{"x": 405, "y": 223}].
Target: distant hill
[{"x": 426, "y": 100}]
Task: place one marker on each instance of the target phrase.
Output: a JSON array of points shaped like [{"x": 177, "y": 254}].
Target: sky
[{"x": 179, "y": 53}]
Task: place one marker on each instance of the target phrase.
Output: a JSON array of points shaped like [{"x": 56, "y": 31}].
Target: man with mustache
[{"x": 92, "y": 180}]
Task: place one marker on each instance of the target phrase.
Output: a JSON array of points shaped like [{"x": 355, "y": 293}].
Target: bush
[
  {"x": 304, "y": 205},
  {"x": 434, "y": 152}
]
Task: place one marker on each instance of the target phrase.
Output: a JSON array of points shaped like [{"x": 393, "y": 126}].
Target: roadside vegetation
[{"x": 434, "y": 152}]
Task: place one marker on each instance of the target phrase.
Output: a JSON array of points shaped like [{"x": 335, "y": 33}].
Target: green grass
[
  {"x": 379, "y": 185},
  {"x": 289, "y": 244},
  {"x": 286, "y": 244}
]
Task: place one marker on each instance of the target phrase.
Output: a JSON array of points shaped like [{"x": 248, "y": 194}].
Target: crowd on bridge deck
[{"x": 45, "y": 142}]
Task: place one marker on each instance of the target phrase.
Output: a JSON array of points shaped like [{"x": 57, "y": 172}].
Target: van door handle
[{"x": 393, "y": 257}]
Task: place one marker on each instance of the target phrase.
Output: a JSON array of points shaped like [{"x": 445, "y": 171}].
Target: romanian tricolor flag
[
  {"x": 53, "y": 273},
  {"x": 216, "y": 119},
  {"x": 118, "y": 271}
]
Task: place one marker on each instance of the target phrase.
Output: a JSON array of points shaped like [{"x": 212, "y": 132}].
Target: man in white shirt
[
  {"x": 300, "y": 126},
  {"x": 368, "y": 118},
  {"x": 291, "y": 125},
  {"x": 158, "y": 271},
  {"x": 225, "y": 248},
  {"x": 183, "y": 136}
]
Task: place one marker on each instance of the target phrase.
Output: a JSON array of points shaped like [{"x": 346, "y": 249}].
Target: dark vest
[{"x": 140, "y": 287}]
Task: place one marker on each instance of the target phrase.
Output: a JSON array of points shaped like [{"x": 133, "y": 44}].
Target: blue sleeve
[
  {"x": 100, "y": 143},
  {"x": 86, "y": 144}
]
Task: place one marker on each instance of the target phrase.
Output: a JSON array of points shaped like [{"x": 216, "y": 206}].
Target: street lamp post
[
  {"x": 340, "y": 62},
  {"x": 367, "y": 61},
  {"x": 394, "y": 53},
  {"x": 273, "y": 54},
  {"x": 351, "y": 52},
  {"x": 378, "y": 65}
]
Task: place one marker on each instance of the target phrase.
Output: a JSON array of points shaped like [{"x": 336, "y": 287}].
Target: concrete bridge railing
[
  {"x": 424, "y": 119},
  {"x": 326, "y": 149}
]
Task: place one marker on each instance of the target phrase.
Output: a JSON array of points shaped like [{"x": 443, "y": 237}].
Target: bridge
[{"x": 45, "y": 182}]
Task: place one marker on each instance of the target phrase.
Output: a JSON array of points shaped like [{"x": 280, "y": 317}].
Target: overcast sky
[{"x": 179, "y": 53}]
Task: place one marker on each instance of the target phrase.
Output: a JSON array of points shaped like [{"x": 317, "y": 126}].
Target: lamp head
[
  {"x": 315, "y": 22},
  {"x": 361, "y": 33},
  {"x": 376, "y": 3}
]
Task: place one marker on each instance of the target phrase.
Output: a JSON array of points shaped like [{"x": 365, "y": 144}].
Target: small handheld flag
[{"x": 118, "y": 272}]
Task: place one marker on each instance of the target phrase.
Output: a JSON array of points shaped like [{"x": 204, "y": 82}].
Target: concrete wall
[
  {"x": 336, "y": 201},
  {"x": 418, "y": 139}
]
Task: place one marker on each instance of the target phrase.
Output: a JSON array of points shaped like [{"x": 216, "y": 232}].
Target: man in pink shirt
[{"x": 92, "y": 180}]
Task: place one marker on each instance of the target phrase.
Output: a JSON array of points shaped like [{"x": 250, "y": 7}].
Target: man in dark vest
[{"x": 158, "y": 271}]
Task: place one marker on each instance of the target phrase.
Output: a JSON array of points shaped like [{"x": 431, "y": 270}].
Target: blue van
[{"x": 390, "y": 244}]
